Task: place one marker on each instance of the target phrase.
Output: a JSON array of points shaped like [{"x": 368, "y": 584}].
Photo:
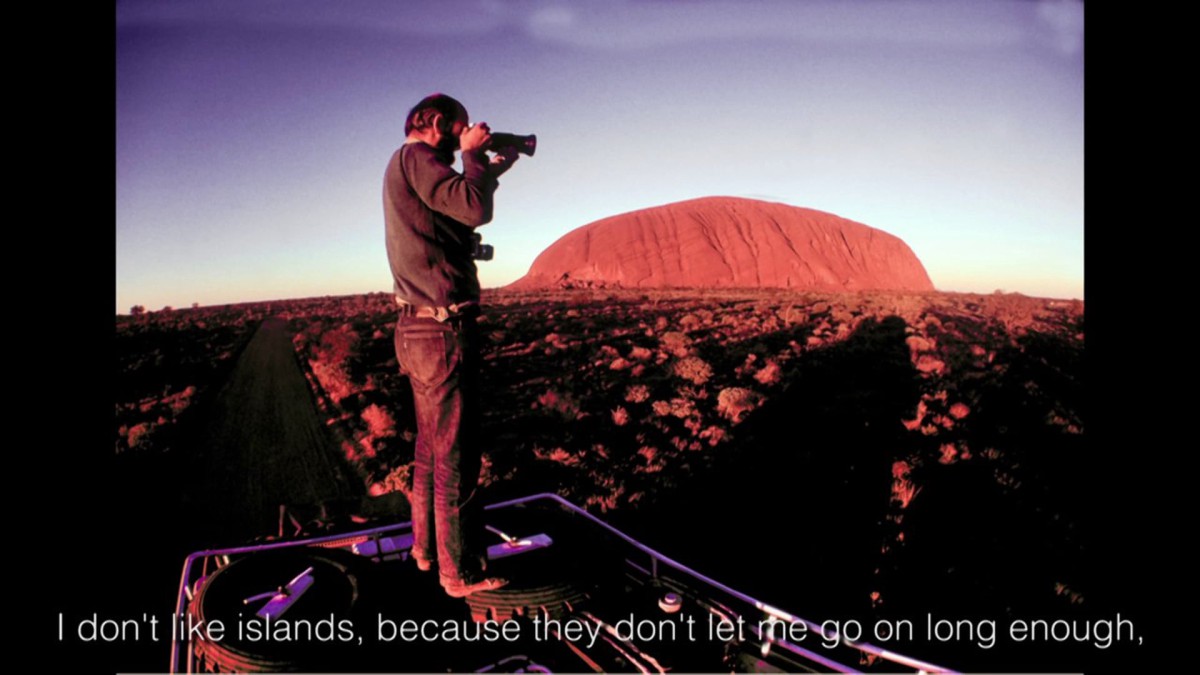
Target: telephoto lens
[{"x": 525, "y": 145}]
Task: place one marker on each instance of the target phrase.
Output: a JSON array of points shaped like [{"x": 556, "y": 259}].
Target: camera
[
  {"x": 480, "y": 250},
  {"x": 525, "y": 145}
]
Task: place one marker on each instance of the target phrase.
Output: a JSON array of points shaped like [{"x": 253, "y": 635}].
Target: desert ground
[{"x": 839, "y": 455}]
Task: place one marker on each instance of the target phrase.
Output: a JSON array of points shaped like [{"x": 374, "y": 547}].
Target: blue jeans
[{"x": 441, "y": 361}]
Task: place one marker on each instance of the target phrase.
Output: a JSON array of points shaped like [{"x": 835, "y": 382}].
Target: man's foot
[{"x": 461, "y": 589}]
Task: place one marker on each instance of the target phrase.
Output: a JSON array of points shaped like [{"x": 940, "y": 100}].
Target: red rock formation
[{"x": 728, "y": 242}]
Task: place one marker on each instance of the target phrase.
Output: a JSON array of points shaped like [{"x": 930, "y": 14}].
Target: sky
[{"x": 252, "y": 135}]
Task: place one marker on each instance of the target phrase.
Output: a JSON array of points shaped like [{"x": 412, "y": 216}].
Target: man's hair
[{"x": 422, "y": 114}]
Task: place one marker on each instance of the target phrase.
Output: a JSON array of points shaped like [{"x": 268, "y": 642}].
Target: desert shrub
[
  {"x": 770, "y": 373},
  {"x": 637, "y": 393},
  {"x": 379, "y": 421},
  {"x": 640, "y": 354},
  {"x": 676, "y": 407},
  {"x": 734, "y": 402},
  {"x": 693, "y": 369},
  {"x": 675, "y": 343},
  {"x": 561, "y": 402}
]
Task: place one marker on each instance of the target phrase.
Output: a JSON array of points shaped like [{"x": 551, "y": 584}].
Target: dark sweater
[{"x": 429, "y": 212}]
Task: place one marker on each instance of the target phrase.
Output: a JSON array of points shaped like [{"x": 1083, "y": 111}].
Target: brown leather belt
[{"x": 442, "y": 314}]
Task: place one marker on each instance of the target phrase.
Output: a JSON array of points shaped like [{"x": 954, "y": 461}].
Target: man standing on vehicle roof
[{"x": 430, "y": 212}]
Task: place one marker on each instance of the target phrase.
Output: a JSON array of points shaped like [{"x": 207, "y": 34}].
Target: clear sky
[{"x": 252, "y": 135}]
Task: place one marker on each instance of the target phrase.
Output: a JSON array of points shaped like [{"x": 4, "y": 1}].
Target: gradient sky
[{"x": 252, "y": 135}]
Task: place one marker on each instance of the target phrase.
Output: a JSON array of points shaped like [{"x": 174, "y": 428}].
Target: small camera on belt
[{"x": 480, "y": 250}]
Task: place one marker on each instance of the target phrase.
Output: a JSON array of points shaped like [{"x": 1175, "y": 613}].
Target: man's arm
[{"x": 465, "y": 197}]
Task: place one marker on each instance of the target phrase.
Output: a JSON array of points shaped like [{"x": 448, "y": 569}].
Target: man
[{"x": 430, "y": 212}]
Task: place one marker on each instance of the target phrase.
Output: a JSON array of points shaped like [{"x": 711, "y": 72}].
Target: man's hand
[
  {"x": 503, "y": 161},
  {"x": 476, "y": 138}
]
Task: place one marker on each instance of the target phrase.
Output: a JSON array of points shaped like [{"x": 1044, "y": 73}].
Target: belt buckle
[
  {"x": 441, "y": 314},
  {"x": 405, "y": 309}
]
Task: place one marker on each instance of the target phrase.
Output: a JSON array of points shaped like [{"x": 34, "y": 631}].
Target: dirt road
[
  {"x": 262, "y": 445},
  {"x": 255, "y": 443}
]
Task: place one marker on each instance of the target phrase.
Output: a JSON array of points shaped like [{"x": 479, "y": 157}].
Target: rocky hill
[{"x": 728, "y": 242}]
